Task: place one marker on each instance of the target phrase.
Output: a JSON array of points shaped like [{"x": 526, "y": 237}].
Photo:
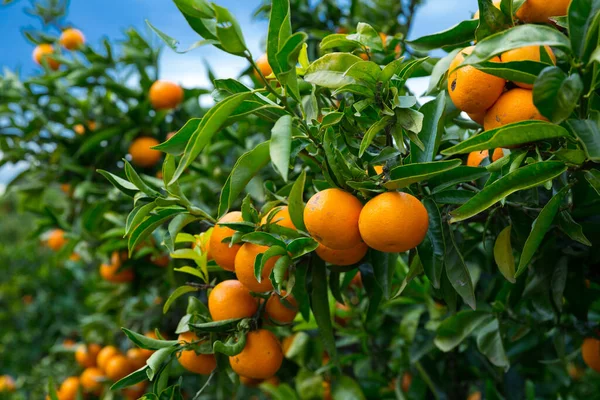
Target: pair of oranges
[{"x": 70, "y": 39}]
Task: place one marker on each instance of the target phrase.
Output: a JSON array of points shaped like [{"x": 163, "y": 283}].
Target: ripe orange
[
  {"x": 244, "y": 268},
  {"x": 286, "y": 343},
  {"x": 393, "y": 222},
  {"x": 261, "y": 357},
  {"x": 7, "y": 384},
  {"x": 263, "y": 65},
  {"x": 378, "y": 169},
  {"x": 68, "y": 343},
  {"x": 406, "y": 381},
  {"x": 56, "y": 239},
  {"x": 165, "y": 95},
  {"x": 496, "y": 3},
  {"x": 575, "y": 371},
  {"x": 72, "y": 39},
  {"x": 474, "y": 396},
  {"x": 74, "y": 257},
  {"x": 278, "y": 310},
  {"x": 135, "y": 392},
  {"x": 118, "y": 367},
  {"x": 224, "y": 255},
  {"x": 44, "y": 51},
  {"x": 202, "y": 364},
  {"x": 69, "y": 388},
  {"x": 397, "y": 49},
  {"x": 342, "y": 257},
  {"x": 112, "y": 272},
  {"x": 471, "y": 90},
  {"x": 281, "y": 217},
  {"x": 230, "y": 299},
  {"x": 527, "y": 53},
  {"x": 137, "y": 358},
  {"x": 590, "y": 350},
  {"x": 27, "y": 299},
  {"x": 326, "y": 390},
  {"x": 91, "y": 379},
  {"x": 162, "y": 261},
  {"x": 476, "y": 157},
  {"x": 249, "y": 381},
  {"x": 65, "y": 188},
  {"x": 516, "y": 105},
  {"x": 142, "y": 155},
  {"x": 331, "y": 217},
  {"x": 541, "y": 10},
  {"x": 86, "y": 355},
  {"x": 477, "y": 117},
  {"x": 105, "y": 355}
]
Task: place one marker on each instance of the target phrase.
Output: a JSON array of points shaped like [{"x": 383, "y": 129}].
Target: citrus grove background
[{"x": 300, "y": 200}]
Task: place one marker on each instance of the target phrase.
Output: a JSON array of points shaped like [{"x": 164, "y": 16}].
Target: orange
[
  {"x": 471, "y": 90},
  {"x": 406, "y": 381},
  {"x": 575, "y": 371},
  {"x": 161, "y": 260},
  {"x": 224, "y": 255},
  {"x": 286, "y": 343},
  {"x": 261, "y": 357},
  {"x": 541, "y": 10},
  {"x": 397, "y": 49},
  {"x": 244, "y": 268},
  {"x": 165, "y": 95},
  {"x": 393, "y": 222},
  {"x": 43, "y": 51},
  {"x": 342, "y": 257},
  {"x": 474, "y": 396},
  {"x": 331, "y": 217},
  {"x": 378, "y": 169},
  {"x": 476, "y": 157},
  {"x": 477, "y": 117},
  {"x": 364, "y": 56},
  {"x": 68, "y": 343},
  {"x": 56, "y": 239},
  {"x": 230, "y": 299},
  {"x": 86, "y": 355},
  {"x": 7, "y": 384},
  {"x": 112, "y": 272},
  {"x": 91, "y": 379},
  {"x": 249, "y": 381},
  {"x": 326, "y": 390},
  {"x": 142, "y": 155},
  {"x": 137, "y": 358},
  {"x": 356, "y": 281},
  {"x": 527, "y": 53},
  {"x": 281, "y": 217},
  {"x": 69, "y": 388},
  {"x": 27, "y": 299},
  {"x": 135, "y": 392},
  {"x": 278, "y": 310},
  {"x": 496, "y": 3},
  {"x": 65, "y": 188},
  {"x": 74, "y": 257},
  {"x": 263, "y": 65},
  {"x": 72, "y": 39},
  {"x": 272, "y": 380},
  {"x": 202, "y": 364},
  {"x": 516, "y": 105},
  {"x": 590, "y": 350},
  {"x": 118, "y": 367},
  {"x": 497, "y": 154},
  {"x": 342, "y": 314},
  {"x": 105, "y": 355}
]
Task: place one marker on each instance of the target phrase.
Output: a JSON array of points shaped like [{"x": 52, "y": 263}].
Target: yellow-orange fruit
[
  {"x": 497, "y": 154},
  {"x": 134, "y": 392},
  {"x": 326, "y": 390},
  {"x": 342, "y": 257},
  {"x": 118, "y": 367},
  {"x": 261, "y": 357},
  {"x": 56, "y": 239},
  {"x": 69, "y": 388},
  {"x": 474, "y": 396},
  {"x": 575, "y": 371},
  {"x": 471, "y": 90},
  {"x": 230, "y": 299},
  {"x": 244, "y": 380},
  {"x": 277, "y": 309},
  {"x": 397, "y": 49},
  {"x": 165, "y": 95},
  {"x": 86, "y": 355},
  {"x": 281, "y": 217},
  {"x": 112, "y": 272},
  {"x": 162, "y": 260},
  {"x": 44, "y": 51},
  {"x": 590, "y": 350},
  {"x": 244, "y": 268},
  {"x": 542, "y": 10},
  {"x": 496, "y": 3},
  {"x": 477, "y": 117},
  {"x": 74, "y": 257},
  {"x": 476, "y": 157},
  {"x": 7, "y": 384},
  {"x": 137, "y": 358},
  {"x": 91, "y": 379},
  {"x": 393, "y": 222},
  {"x": 105, "y": 355},
  {"x": 142, "y": 155},
  {"x": 516, "y": 105},
  {"x": 224, "y": 255},
  {"x": 331, "y": 217},
  {"x": 263, "y": 65},
  {"x": 406, "y": 381},
  {"x": 72, "y": 39},
  {"x": 202, "y": 364},
  {"x": 378, "y": 169},
  {"x": 527, "y": 53}
]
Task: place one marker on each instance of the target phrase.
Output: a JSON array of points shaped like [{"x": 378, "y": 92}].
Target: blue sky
[{"x": 109, "y": 18}]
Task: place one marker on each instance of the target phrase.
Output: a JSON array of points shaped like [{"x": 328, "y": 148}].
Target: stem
[
  {"x": 197, "y": 396},
  {"x": 427, "y": 379}
]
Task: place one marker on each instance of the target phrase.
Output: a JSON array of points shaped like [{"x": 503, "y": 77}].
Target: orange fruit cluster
[
  {"x": 113, "y": 272},
  {"x": 70, "y": 39}
]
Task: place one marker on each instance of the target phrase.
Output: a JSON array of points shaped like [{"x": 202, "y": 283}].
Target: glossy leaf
[
  {"x": 458, "y": 35},
  {"x": 405, "y": 175},
  {"x": 431, "y": 132},
  {"x": 320, "y": 306},
  {"x": 148, "y": 343},
  {"x": 296, "y": 203},
  {"x": 582, "y": 16},
  {"x": 587, "y": 132},
  {"x": 280, "y": 145},
  {"x": 433, "y": 248},
  {"x": 453, "y": 330},
  {"x": 329, "y": 70},
  {"x": 503, "y": 254},
  {"x": 572, "y": 228},
  {"x": 556, "y": 95},
  {"x": 458, "y": 273},
  {"x": 180, "y": 291},
  {"x": 489, "y": 342}
]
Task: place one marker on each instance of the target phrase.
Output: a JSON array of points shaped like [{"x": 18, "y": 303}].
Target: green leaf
[
  {"x": 195, "y": 306},
  {"x": 124, "y": 186},
  {"x": 410, "y": 323},
  {"x": 452, "y": 331},
  {"x": 458, "y": 273},
  {"x": 489, "y": 342},
  {"x": 523, "y": 178},
  {"x": 233, "y": 346},
  {"x": 301, "y": 246},
  {"x": 456, "y": 175},
  {"x": 180, "y": 291},
  {"x": 329, "y": 70},
  {"x": 296, "y": 203},
  {"x": 540, "y": 227},
  {"x": 346, "y": 388},
  {"x": 280, "y": 29},
  {"x": 262, "y": 239},
  {"x": 587, "y": 132},
  {"x": 175, "y": 226},
  {"x": 583, "y": 19},
  {"x": 366, "y": 72},
  {"x": 433, "y": 248},
  {"x": 406, "y": 175},
  {"x": 559, "y": 282},
  {"x": 137, "y": 215},
  {"x": 503, "y": 254},
  {"x": 416, "y": 269},
  {"x": 320, "y": 306},
  {"x": 515, "y": 71},
  {"x": 216, "y": 326},
  {"x": 338, "y": 40},
  {"x": 148, "y": 343},
  {"x": 261, "y": 259},
  {"x": 281, "y": 145},
  {"x": 515, "y": 38},
  {"x": 391, "y": 69},
  {"x": 150, "y": 223},
  {"x": 243, "y": 171},
  {"x": 300, "y": 291},
  {"x": 178, "y": 142},
  {"x": 138, "y": 182},
  {"x": 509, "y": 136},
  {"x": 556, "y": 95},
  {"x": 371, "y": 132},
  {"x": 431, "y": 133},
  {"x": 367, "y": 36},
  {"x": 572, "y": 228},
  {"x": 229, "y": 32},
  {"x": 157, "y": 359},
  {"x": 458, "y": 35},
  {"x": 211, "y": 123},
  {"x": 173, "y": 43},
  {"x": 135, "y": 377}
]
